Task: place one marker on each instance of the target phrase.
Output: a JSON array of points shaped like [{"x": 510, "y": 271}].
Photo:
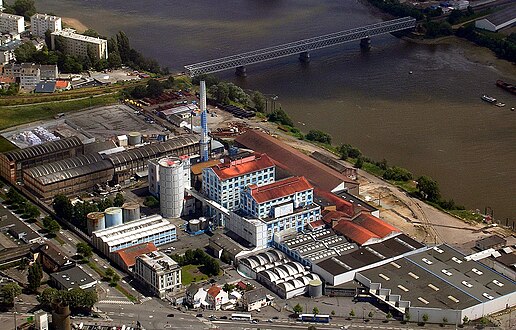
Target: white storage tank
[
  {"x": 134, "y": 138},
  {"x": 95, "y": 221},
  {"x": 203, "y": 223},
  {"x": 171, "y": 187},
  {"x": 113, "y": 216},
  {"x": 315, "y": 288},
  {"x": 194, "y": 225},
  {"x": 130, "y": 211}
]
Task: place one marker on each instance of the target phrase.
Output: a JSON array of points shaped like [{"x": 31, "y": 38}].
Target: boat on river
[
  {"x": 508, "y": 87},
  {"x": 488, "y": 98}
]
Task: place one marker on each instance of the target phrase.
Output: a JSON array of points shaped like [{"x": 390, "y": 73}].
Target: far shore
[{"x": 74, "y": 24}]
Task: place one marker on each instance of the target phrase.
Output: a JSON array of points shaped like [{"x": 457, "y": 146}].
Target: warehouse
[
  {"x": 13, "y": 162},
  {"x": 68, "y": 176},
  {"x": 441, "y": 283},
  {"x": 153, "y": 229}
]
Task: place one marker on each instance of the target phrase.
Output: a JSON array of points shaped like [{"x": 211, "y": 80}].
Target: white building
[
  {"x": 158, "y": 272},
  {"x": 153, "y": 229},
  {"x": 28, "y": 75},
  {"x": 195, "y": 296},
  {"x": 41, "y": 23},
  {"x": 78, "y": 44},
  {"x": 498, "y": 20},
  {"x": 40, "y": 317},
  {"x": 11, "y": 23},
  {"x": 216, "y": 297}
]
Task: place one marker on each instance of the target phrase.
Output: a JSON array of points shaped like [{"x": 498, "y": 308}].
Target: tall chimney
[{"x": 205, "y": 140}]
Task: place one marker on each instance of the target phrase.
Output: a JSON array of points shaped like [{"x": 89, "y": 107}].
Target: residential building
[
  {"x": 11, "y": 23},
  {"x": 195, "y": 296},
  {"x": 29, "y": 75},
  {"x": 7, "y": 51},
  {"x": 52, "y": 259},
  {"x": 73, "y": 278},
  {"x": 216, "y": 297},
  {"x": 255, "y": 299},
  {"x": 158, "y": 272},
  {"x": 80, "y": 45},
  {"x": 223, "y": 182},
  {"x": 41, "y": 23},
  {"x": 126, "y": 258}
]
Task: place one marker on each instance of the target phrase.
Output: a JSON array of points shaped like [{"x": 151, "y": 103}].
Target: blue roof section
[{"x": 45, "y": 87}]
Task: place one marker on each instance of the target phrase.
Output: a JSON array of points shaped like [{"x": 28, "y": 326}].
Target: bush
[
  {"x": 318, "y": 136},
  {"x": 397, "y": 174},
  {"x": 151, "y": 201}
]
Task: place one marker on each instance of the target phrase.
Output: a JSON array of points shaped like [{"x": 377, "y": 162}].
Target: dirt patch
[{"x": 74, "y": 24}]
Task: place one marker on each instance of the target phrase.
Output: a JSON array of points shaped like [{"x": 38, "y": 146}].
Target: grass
[
  {"x": 467, "y": 215},
  {"x": 191, "y": 273},
  {"x": 126, "y": 293},
  {"x": 26, "y": 114},
  {"x": 5, "y": 145}
]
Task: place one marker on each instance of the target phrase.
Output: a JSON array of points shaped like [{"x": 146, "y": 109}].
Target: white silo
[
  {"x": 113, "y": 216},
  {"x": 171, "y": 187}
]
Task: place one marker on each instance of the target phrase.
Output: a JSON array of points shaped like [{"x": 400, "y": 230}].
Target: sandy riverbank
[{"x": 74, "y": 24}]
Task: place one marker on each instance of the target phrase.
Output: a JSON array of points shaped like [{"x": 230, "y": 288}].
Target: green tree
[
  {"x": 298, "y": 309},
  {"x": 25, "y": 8},
  {"x": 25, "y": 52},
  {"x": 53, "y": 227},
  {"x": 332, "y": 313},
  {"x": 139, "y": 92},
  {"x": 211, "y": 267},
  {"x": 110, "y": 273},
  {"x": 428, "y": 188},
  {"x": 118, "y": 200},
  {"x": 425, "y": 317},
  {"x": 281, "y": 117},
  {"x": 114, "y": 280},
  {"x": 397, "y": 174},
  {"x": 351, "y": 313},
  {"x": 114, "y": 60},
  {"x": 484, "y": 321},
  {"x": 407, "y": 316},
  {"x": 445, "y": 320},
  {"x": 63, "y": 207},
  {"x": 347, "y": 150},
  {"x": 359, "y": 163},
  {"x": 34, "y": 276},
  {"x": 220, "y": 92},
  {"x": 315, "y": 310},
  {"x": 9, "y": 292},
  {"x": 228, "y": 287},
  {"x": 371, "y": 314},
  {"x": 259, "y": 101},
  {"x": 318, "y": 136},
  {"x": 154, "y": 88},
  {"x": 123, "y": 46},
  {"x": 388, "y": 316},
  {"x": 169, "y": 83},
  {"x": 465, "y": 320},
  {"x": 47, "y": 296},
  {"x": 151, "y": 201},
  {"x": 86, "y": 251},
  {"x": 14, "y": 197}
]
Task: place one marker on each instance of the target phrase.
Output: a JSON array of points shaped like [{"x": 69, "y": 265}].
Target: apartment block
[
  {"x": 11, "y": 23},
  {"x": 77, "y": 44},
  {"x": 41, "y": 23},
  {"x": 158, "y": 272}
]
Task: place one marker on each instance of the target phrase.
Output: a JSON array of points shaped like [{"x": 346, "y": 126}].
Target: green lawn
[
  {"x": 191, "y": 273},
  {"x": 26, "y": 114},
  {"x": 5, "y": 145}
]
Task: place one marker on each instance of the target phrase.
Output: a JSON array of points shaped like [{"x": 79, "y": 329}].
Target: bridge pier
[
  {"x": 304, "y": 57},
  {"x": 241, "y": 71},
  {"x": 365, "y": 43}
]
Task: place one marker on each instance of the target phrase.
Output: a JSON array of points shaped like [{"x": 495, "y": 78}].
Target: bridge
[{"x": 301, "y": 47}]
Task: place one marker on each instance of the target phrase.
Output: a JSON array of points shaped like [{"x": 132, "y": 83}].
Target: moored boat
[
  {"x": 508, "y": 87},
  {"x": 488, "y": 98}
]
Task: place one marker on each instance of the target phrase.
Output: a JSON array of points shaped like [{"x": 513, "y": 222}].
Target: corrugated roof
[
  {"x": 129, "y": 254},
  {"x": 279, "y": 189},
  {"x": 354, "y": 232},
  {"x": 505, "y": 15},
  {"x": 334, "y": 215},
  {"x": 243, "y": 166},
  {"x": 44, "y": 148},
  {"x": 293, "y": 160},
  {"x": 196, "y": 169},
  {"x": 374, "y": 225}
]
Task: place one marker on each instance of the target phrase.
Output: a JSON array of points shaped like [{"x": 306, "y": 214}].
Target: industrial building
[
  {"x": 158, "y": 273},
  {"x": 73, "y": 278},
  {"x": 80, "y": 45},
  {"x": 153, "y": 229},
  {"x": 11, "y": 23},
  {"x": 441, "y": 283},
  {"x": 13, "y": 162},
  {"x": 498, "y": 20},
  {"x": 41, "y": 23}
]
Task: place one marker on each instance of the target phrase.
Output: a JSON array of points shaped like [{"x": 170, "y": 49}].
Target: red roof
[
  {"x": 243, "y": 166},
  {"x": 375, "y": 225},
  {"x": 279, "y": 189},
  {"x": 241, "y": 285},
  {"x": 334, "y": 215},
  {"x": 62, "y": 84},
  {"x": 354, "y": 232},
  {"x": 294, "y": 161},
  {"x": 129, "y": 254},
  {"x": 340, "y": 203},
  {"x": 316, "y": 224},
  {"x": 214, "y": 291}
]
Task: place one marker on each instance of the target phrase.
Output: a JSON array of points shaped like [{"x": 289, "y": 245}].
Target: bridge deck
[{"x": 300, "y": 46}]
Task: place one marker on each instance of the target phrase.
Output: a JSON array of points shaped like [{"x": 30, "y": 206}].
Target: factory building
[
  {"x": 441, "y": 283},
  {"x": 41, "y": 23},
  {"x": 69, "y": 176},
  {"x": 13, "y": 162},
  {"x": 153, "y": 229},
  {"x": 158, "y": 273}
]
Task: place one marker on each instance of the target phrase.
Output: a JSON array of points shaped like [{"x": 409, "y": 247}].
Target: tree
[
  {"x": 114, "y": 60},
  {"x": 465, "y": 320},
  {"x": 63, "y": 207},
  {"x": 85, "y": 250},
  {"x": 332, "y": 313},
  {"x": 47, "y": 296},
  {"x": 110, "y": 272},
  {"x": 388, "y": 316},
  {"x": 298, "y": 309},
  {"x": 25, "y": 8},
  {"x": 9, "y": 292},
  {"x": 281, "y": 117},
  {"x": 228, "y": 287},
  {"x": 118, "y": 200},
  {"x": 25, "y": 52},
  {"x": 445, "y": 320},
  {"x": 259, "y": 101},
  {"x": 318, "y": 136},
  {"x": 347, "y": 150},
  {"x": 220, "y": 92},
  {"x": 397, "y": 174},
  {"x": 34, "y": 276},
  {"x": 123, "y": 46},
  {"x": 484, "y": 320},
  {"x": 154, "y": 88},
  {"x": 169, "y": 83},
  {"x": 428, "y": 188},
  {"x": 371, "y": 314},
  {"x": 151, "y": 201},
  {"x": 425, "y": 317},
  {"x": 315, "y": 310},
  {"x": 359, "y": 163},
  {"x": 351, "y": 313},
  {"x": 114, "y": 279}
]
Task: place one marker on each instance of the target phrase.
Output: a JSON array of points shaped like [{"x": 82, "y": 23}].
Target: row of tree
[
  {"x": 504, "y": 48},
  {"x": 79, "y": 300},
  {"x": 25, "y": 8},
  {"x": 153, "y": 89},
  {"x": 20, "y": 205},
  {"x": 210, "y": 266}
]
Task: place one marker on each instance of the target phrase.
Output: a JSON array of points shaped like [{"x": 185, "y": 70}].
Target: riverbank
[{"x": 74, "y": 24}]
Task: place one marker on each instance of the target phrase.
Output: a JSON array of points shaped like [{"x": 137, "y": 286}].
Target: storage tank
[
  {"x": 203, "y": 223},
  {"x": 315, "y": 288},
  {"x": 95, "y": 221},
  {"x": 134, "y": 138},
  {"x": 113, "y": 216},
  {"x": 194, "y": 225},
  {"x": 130, "y": 211},
  {"x": 171, "y": 187}
]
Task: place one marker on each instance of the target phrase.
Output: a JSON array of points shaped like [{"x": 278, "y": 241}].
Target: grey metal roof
[
  {"x": 42, "y": 149},
  {"x": 45, "y": 87},
  {"x": 68, "y": 168},
  {"x": 502, "y": 16},
  {"x": 152, "y": 150}
]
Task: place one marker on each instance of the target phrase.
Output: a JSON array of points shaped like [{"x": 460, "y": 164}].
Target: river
[{"x": 431, "y": 121}]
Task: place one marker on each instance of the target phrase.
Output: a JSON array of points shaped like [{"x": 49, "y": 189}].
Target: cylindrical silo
[
  {"x": 171, "y": 187},
  {"x": 113, "y": 216},
  {"x": 134, "y": 138},
  {"x": 315, "y": 288},
  {"x": 95, "y": 221},
  {"x": 203, "y": 223},
  {"x": 130, "y": 211},
  {"x": 194, "y": 225}
]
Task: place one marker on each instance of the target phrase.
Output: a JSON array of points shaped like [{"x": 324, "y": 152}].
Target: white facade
[
  {"x": 30, "y": 74},
  {"x": 159, "y": 272},
  {"x": 78, "y": 44},
  {"x": 40, "y": 317},
  {"x": 41, "y": 23},
  {"x": 253, "y": 231},
  {"x": 170, "y": 179},
  {"x": 11, "y": 23}
]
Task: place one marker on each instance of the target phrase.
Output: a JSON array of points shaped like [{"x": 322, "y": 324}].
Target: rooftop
[
  {"x": 196, "y": 169},
  {"x": 55, "y": 255},
  {"x": 492, "y": 241},
  {"x": 279, "y": 189},
  {"x": 72, "y": 35},
  {"x": 73, "y": 278},
  {"x": 129, "y": 254},
  {"x": 214, "y": 291},
  {"x": 506, "y": 14},
  {"x": 158, "y": 261},
  {"x": 43, "y": 149},
  {"x": 374, "y": 224},
  {"x": 356, "y": 201},
  {"x": 255, "y": 295},
  {"x": 242, "y": 166},
  {"x": 355, "y": 232}
]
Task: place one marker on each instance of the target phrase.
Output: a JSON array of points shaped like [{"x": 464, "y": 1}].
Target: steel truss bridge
[{"x": 301, "y": 47}]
